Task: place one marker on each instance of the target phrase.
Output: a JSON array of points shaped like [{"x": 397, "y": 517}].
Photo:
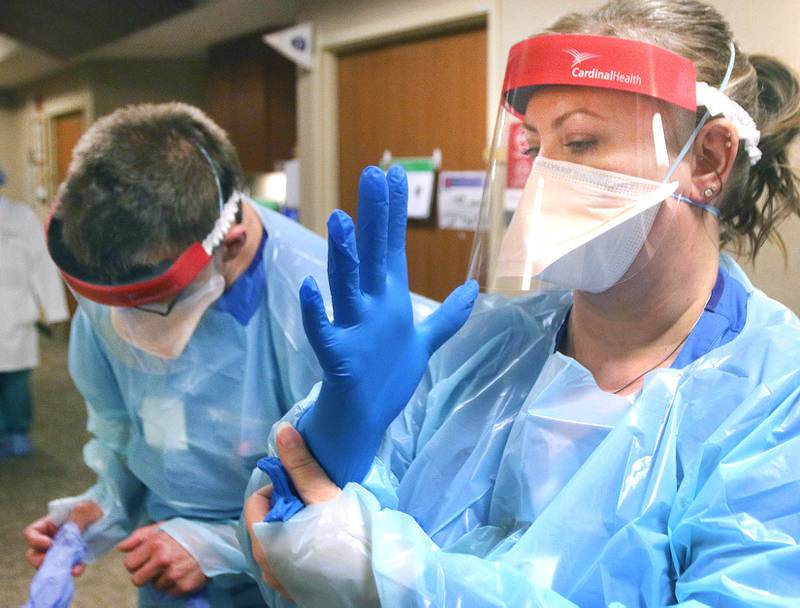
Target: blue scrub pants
[
  {"x": 16, "y": 402},
  {"x": 222, "y": 592}
]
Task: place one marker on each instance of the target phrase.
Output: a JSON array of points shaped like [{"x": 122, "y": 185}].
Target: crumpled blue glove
[
  {"x": 372, "y": 355},
  {"x": 52, "y": 586}
]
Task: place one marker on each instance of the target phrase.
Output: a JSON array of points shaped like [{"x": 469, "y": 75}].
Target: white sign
[
  {"x": 293, "y": 43},
  {"x": 420, "y": 194},
  {"x": 460, "y": 194}
]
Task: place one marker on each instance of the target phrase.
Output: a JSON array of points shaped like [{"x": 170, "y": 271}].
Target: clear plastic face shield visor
[
  {"x": 582, "y": 184},
  {"x": 158, "y": 307}
]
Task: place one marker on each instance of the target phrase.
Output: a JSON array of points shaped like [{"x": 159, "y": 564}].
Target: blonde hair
[{"x": 756, "y": 199}]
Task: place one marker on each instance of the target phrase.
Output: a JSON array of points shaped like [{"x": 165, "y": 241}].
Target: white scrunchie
[{"x": 719, "y": 104}]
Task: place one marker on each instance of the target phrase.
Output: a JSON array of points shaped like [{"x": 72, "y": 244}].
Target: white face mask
[
  {"x": 578, "y": 227},
  {"x": 166, "y": 336}
]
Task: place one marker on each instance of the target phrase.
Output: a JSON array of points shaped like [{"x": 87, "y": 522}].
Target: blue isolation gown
[
  {"x": 512, "y": 480},
  {"x": 176, "y": 440}
]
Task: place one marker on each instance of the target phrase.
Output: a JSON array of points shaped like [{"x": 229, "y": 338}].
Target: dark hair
[
  {"x": 140, "y": 190},
  {"x": 755, "y": 199}
]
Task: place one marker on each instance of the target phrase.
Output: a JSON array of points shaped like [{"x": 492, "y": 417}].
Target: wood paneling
[
  {"x": 251, "y": 94},
  {"x": 410, "y": 98}
]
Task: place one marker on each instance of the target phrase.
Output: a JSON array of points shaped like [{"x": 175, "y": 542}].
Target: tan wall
[
  {"x": 119, "y": 83},
  {"x": 66, "y": 92},
  {"x": 765, "y": 26},
  {"x": 770, "y": 26},
  {"x": 10, "y": 158},
  {"x": 96, "y": 89}
]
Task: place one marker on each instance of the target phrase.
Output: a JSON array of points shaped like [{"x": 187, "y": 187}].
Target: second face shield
[{"x": 582, "y": 175}]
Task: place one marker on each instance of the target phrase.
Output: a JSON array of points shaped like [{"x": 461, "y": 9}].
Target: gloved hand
[
  {"x": 52, "y": 586},
  {"x": 372, "y": 355}
]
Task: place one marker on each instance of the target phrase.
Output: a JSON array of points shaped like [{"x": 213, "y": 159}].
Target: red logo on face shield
[
  {"x": 612, "y": 63},
  {"x": 578, "y": 57}
]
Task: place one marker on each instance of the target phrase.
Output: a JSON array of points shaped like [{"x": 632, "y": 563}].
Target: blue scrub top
[{"x": 722, "y": 320}]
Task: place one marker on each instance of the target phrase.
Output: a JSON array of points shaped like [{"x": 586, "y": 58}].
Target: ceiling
[
  {"x": 33, "y": 47},
  {"x": 66, "y": 29}
]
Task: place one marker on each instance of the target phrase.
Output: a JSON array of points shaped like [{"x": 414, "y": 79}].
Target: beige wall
[
  {"x": 119, "y": 83},
  {"x": 66, "y": 92},
  {"x": 95, "y": 88},
  {"x": 770, "y": 26},
  {"x": 766, "y": 26},
  {"x": 10, "y": 159}
]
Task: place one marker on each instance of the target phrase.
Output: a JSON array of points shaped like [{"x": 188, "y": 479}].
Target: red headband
[
  {"x": 156, "y": 289},
  {"x": 602, "y": 62}
]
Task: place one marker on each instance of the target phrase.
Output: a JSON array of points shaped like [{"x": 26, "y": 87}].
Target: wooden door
[
  {"x": 251, "y": 94},
  {"x": 411, "y": 97},
  {"x": 67, "y": 129}
]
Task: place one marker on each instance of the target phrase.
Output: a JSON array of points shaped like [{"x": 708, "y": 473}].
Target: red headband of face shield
[
  {"x": 599, "y": 62},
  {"x": 146, "y": 285}
]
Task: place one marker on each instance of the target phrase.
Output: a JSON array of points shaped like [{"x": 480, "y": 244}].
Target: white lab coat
[{"x": 30, "y": 287}]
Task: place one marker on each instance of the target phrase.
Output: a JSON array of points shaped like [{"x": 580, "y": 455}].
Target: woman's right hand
[{"x": 40, "y": 534}]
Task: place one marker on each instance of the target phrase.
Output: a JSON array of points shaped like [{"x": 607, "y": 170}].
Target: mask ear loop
[
  {"x": 216, "y": 176},
  {"x": 688, "y": 145},
  {"x": 704, "y": 206}
]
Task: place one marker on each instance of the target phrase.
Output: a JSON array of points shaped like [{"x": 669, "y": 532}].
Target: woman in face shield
[{"x": 624, "y": 431}]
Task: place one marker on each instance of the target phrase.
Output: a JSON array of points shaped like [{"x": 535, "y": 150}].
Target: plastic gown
[
  {"x": 504, "y": 483},
  {"x": 176, "y": 440}
]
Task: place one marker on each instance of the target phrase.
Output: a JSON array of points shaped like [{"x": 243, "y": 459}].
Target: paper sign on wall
[
  {"x": 459, "y": 200},
  {"x": 519, "y": 166},
  {"x": 421, "y": 172}
]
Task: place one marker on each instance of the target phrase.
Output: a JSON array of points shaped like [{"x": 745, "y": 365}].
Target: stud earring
[{"x": 709, "y": 192}]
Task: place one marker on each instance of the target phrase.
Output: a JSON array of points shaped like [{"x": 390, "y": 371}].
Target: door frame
[
  {"x": 317, "y": 92},
  {"x": 52, "y": 109}
]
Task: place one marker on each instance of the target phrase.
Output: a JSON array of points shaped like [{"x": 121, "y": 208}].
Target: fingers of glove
[
  {"x": 373, "y": 218},
  {"x": 450, "y": 316},
  {"x": 397, "y": 184},
  {"x": 315, "y": 320},
  {"x": 343, "y": 269}
]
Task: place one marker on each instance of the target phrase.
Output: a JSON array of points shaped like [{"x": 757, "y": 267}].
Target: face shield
[
  {"x": 582, "y": 183},
  {"x": 157, "y": 308}
]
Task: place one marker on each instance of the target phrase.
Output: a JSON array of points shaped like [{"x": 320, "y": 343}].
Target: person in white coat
[{"x": 30, "y": 289}]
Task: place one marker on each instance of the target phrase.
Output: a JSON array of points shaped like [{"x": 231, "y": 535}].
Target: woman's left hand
[{"x": 312, "y": 483}]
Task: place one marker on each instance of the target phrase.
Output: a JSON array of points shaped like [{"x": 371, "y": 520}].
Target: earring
[{"x": 709, "y": 192}]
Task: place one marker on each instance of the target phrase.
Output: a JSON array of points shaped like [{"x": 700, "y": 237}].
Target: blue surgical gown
[
  {"x": 499, "y": 485},
  {"x": 176, "y": 440}
]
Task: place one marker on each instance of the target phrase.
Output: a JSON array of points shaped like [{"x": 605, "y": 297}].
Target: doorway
[
  {"x": 67, "y": 130},
  {"x": 411, "y": 97}
]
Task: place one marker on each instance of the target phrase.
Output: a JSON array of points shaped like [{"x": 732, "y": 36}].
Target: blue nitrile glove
[
  {"x": 52, "y": 586},
  {"x": 372, "y": 355}
]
